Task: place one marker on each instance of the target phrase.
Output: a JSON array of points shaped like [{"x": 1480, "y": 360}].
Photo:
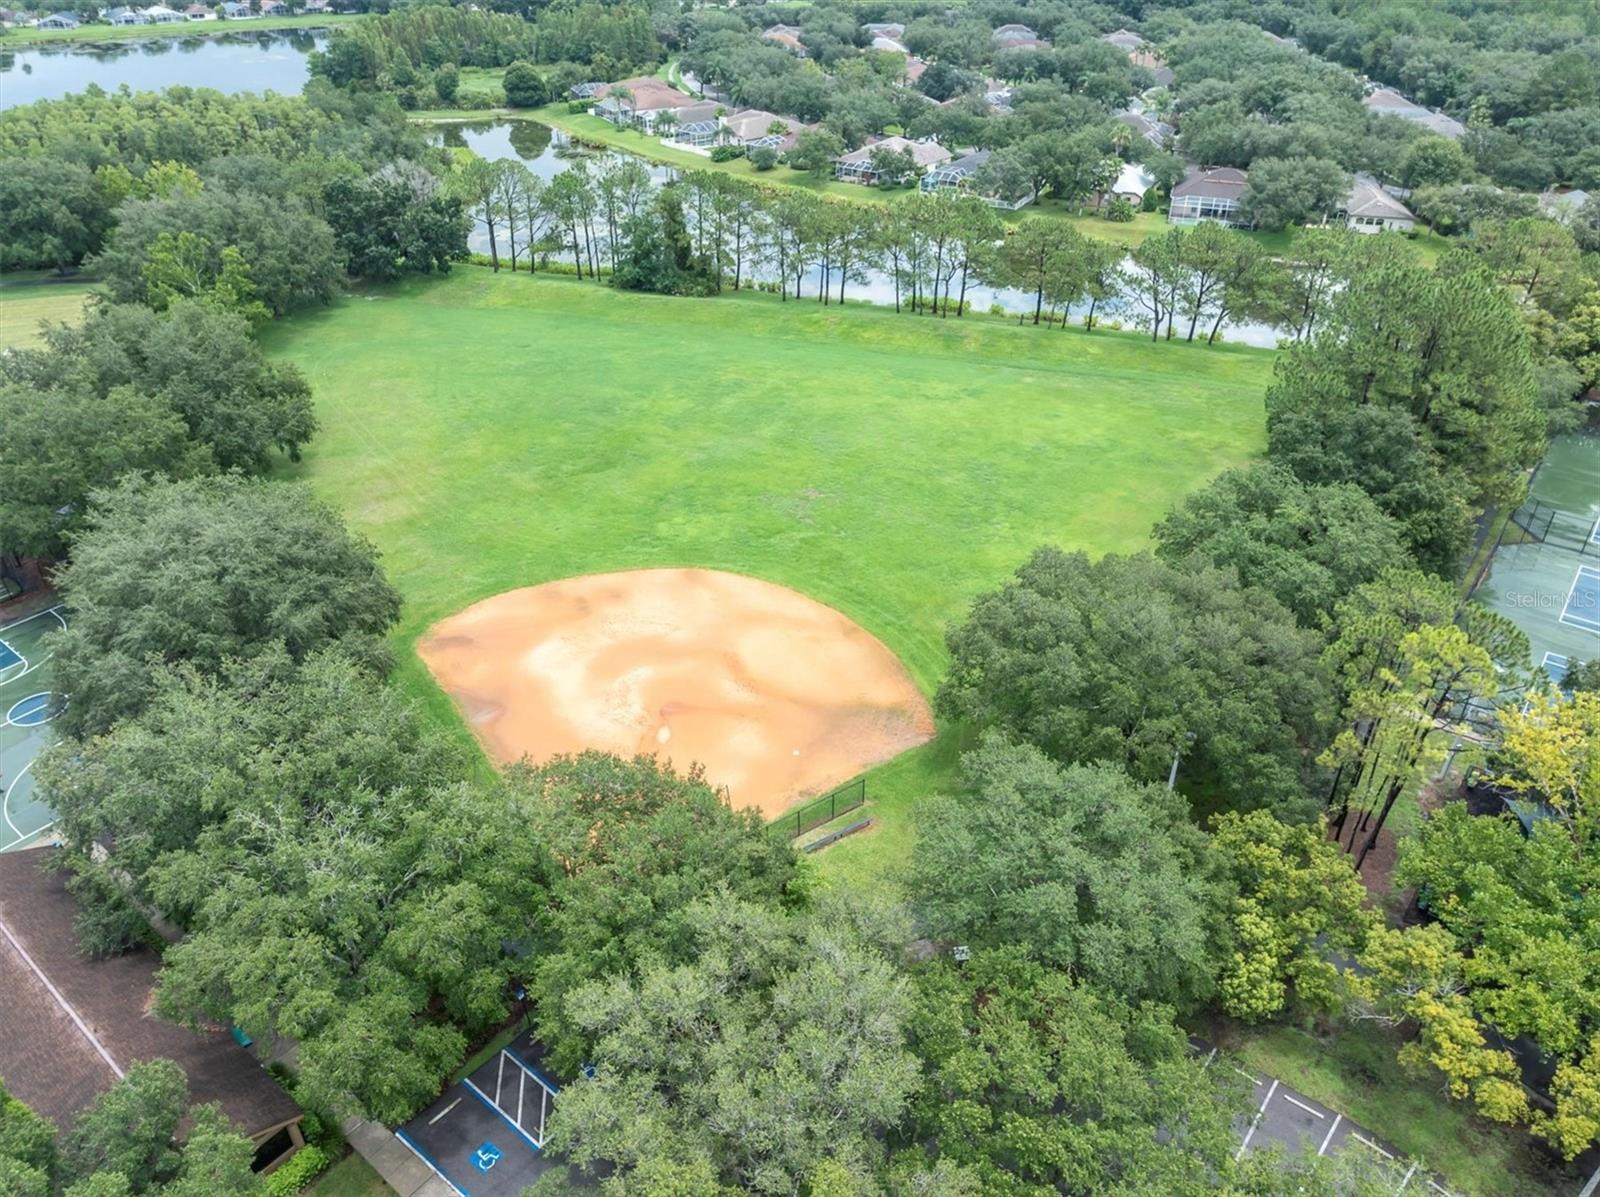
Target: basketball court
[
  {"x": 485, "y": 1136},
  {"x": 27, "y": 705}
]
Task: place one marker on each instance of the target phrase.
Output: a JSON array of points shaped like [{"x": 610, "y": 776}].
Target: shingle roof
[
  {"x": 53, "y": 1064},
  {"x": 1223, "y": 182},
  {"x": 1367, "y": 198},
  {"x": 649, "y": 94}
]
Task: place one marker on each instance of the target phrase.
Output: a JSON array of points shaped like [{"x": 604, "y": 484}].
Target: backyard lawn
[
  {"x": 495, "y": 431},
  {"x": 26, "y": 299}
]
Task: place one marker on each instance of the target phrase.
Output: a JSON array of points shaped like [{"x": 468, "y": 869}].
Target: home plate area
[{"x": 484, "y": 1137}]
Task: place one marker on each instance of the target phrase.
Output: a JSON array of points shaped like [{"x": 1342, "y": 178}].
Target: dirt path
[{"x": 777, "y": 695}]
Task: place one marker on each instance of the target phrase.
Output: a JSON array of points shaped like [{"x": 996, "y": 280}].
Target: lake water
[
  {"x": 548, "y": 152},
  {"x": 231, "y": 62}
]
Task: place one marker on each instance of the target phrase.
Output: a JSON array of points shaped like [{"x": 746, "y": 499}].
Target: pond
[
  {"x": 230, "y": 62},
  {"x": 547, "y": 152}
]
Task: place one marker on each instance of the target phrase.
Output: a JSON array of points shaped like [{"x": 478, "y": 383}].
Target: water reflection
[
  {"x": 230, "y": 62},
  {"x": 547, "y": 152}
]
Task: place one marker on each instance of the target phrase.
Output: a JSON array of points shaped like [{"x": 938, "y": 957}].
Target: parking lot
[
  {"x": 485, "y": 1136},
  {"x": 1299, "y": 1125}
]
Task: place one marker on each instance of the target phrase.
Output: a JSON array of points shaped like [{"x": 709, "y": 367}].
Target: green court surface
[
  {"x": 1549, "y": 583},
  {"x": 25, "y": 713}
]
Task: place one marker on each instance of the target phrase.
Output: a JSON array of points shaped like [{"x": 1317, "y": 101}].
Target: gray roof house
[
  {"x": 122, "y": 15},
  {"x": 59, "y": 20},
  {"x": 586, "y": 91},
  {"x": 1371, "y": 209},
  {"x": 957, "y": 175},
  {"x": 856, "y": 166},
  {"x": 884, "y": 29},
  {"x": 1210, "y": 195},
  {"x": 1387, "y": 102},
  {"x": 1157, "y": 133}
]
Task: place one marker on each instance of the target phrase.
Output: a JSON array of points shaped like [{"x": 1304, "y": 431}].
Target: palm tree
[{"x": 665, "y": 124}]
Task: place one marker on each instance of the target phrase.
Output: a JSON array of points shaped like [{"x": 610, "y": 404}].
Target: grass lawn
[
  {"x": 350, "y": 1177},
  {"x": 15, "y": 38},
  {"x": 25, "y": 300},
  {"x": 1355, "y": 1071},
  {"x": 496, "y": 431}
]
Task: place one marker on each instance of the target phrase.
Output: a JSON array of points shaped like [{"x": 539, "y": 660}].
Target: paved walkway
[
  {"x": 394, "y": 1161},
  {"x": 1290, "y": 1119}
]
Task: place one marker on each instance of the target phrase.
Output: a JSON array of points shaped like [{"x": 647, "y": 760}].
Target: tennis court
[
  {"x": 1582, "y": 608},
  {"x": 26, "y": 708},
  {"x": 485, "y": 1136}
]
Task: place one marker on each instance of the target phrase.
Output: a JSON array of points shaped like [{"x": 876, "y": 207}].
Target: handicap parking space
[{"x": 483, "y": 1136}]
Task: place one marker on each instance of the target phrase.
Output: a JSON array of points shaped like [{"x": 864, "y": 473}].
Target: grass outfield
[
  {"x": 23, "y": 304},
  {"x": 20, "y": 38},
  {"x": 496, "y": 431}
]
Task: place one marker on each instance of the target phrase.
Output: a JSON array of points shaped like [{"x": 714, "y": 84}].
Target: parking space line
[
  {"x": 1328, "y": 1138},
  {"x": 1360, "y": 1138},
  {"x": 503, "y": 1116},
  {"x": 1256, "y": 1121},
  {"x": 444, "y": 1111},
  {"x": 1303, "y": 1106}
]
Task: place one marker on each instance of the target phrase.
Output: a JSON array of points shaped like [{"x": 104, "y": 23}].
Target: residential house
[
  {"x": 1288, "y": 43},
  {"x": 958, "y": 174},
  {"x": 1387, "y": 102},
  {"x": 1157, "y": 133},
  {"x": 998, "y": 97},
  {"x": 639, "y": 101},
  {"x": 753, "y": 126},
  {"x": 1210, "y": 195},
  {"x": 856, "y": 166},
  {"x": 126, "y": 16},
  {"x": 889, "y": 44},
  {"x": 698, "y": 133},
  {"x": 314, "y": 6},
  {"x": 884, "y": 29},
  {"x": 915, "y": 68},
  {"x": 1163, "y": 76},
  {"x": 787, "y": 36},
  {"x": 1371, "y": 209},
  {"x": 160, "y": 14},
  {"x": 200, "y": 12},
  {"x": 1560, "y": 205},
  {"x": 58, "y": 20},
  {"x": 586, "y": 91},
  {"x": 1139, "y": 51},
  {"x": 1011, "y": 37},
  {"x": 1131, "y": 183},
  {"x": 236, "y": 10},
  {"x": 274, "y": 8},
  {"x": 75, "y": 1024}
]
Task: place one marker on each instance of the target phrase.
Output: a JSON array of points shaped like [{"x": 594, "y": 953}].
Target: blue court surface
[
  {"x": 1556, "y": 666},
  {"x": 8, "y": 656},
  {"x": 1582, "y": 609},
  {"x": 30, "y": 711},
  {"x": 485, "y": 1136}
]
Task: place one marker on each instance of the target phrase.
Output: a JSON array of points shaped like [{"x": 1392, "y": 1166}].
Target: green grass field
[
  {"x": 25, "y": 300},
  {"x": 350, "y": 1177},
  {"x": 19, "y": 38},
  {"x": 496, "y": 431}
]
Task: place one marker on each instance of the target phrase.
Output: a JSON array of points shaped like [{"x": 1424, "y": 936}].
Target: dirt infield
[{"x": 778, "y": 696}]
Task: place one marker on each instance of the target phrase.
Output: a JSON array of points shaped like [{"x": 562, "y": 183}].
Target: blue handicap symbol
[{"x": 486, "y": 1157}]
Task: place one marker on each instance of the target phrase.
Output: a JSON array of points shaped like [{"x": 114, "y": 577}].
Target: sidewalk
[{"x": 393, "y": 1160}]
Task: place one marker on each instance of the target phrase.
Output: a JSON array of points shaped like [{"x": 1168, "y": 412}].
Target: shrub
[
  {"x": 727, "y": 153},
  {"x": 1119, "y": 210},
  {"x": 445, "y": 82},
  {"x": 295, "y": 1175},
  {"x": 577, "y": 105},
  {"x": 763, "y": 157}
]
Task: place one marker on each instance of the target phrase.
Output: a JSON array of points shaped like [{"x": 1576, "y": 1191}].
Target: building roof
[
  {"x": 923, "y": 153},
  {"x": 71, "y": 1022},
  {"x": 1388, "y": 102},
  {"x": 1554, "y": 202},
  {"x": 1157, "y": 133},
  {"x": 584, "y": 91},
  {"x": 885, "y": 42},
  {"x": 1007, "y": 32},
  {"x": 1223, "y": 182},
  {"x": 1132, "y": 179},
  {"x": 701, "y": 110},
  {"x": 785, "y": 35},
  {"x": 1368, "y": 198},
  {"x": 750, "y": 123},
  {"x": 1124, "y": 39},
  {"x": 885, "y": 29},
  {"x": 649, "y": 94},
  {"x": 915, "y": 68}
]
